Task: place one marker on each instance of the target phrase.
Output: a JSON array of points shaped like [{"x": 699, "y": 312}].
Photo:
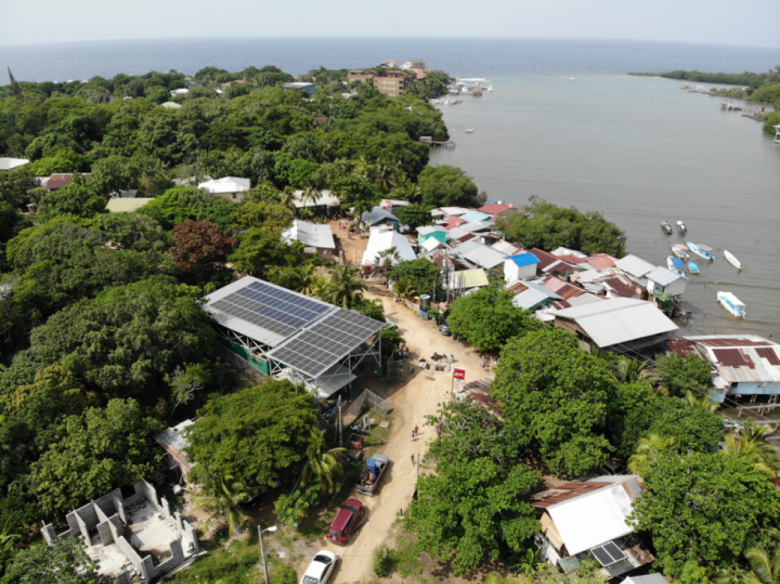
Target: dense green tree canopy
[
  {"x": 475, "y": 504},
  {"x": 415, "y": 215},
  {"x": 64, "y": 562},
  {"x": 678, "y": 374},
  {"x": 423, "y": 275},
  {"x": 255, "y": 435},
  {"x": 556, "y": 399},
  {"x": 487, "y": 319},
  {"x": 448, "y": 186},
  {"x": 94, "y": 453},
  {"x": 704, "y": 506},
  {"x": 547, "y": 226}
]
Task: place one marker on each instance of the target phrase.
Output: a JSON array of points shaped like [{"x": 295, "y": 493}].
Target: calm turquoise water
[{"x": 639, "y": 150}]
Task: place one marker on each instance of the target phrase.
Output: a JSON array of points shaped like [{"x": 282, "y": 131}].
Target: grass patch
[
  {"x": 235, "y": 565},
  {"x": 377, "y": 436}
]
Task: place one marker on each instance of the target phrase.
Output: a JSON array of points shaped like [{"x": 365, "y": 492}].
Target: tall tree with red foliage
[{"x": 201, "y": 248}]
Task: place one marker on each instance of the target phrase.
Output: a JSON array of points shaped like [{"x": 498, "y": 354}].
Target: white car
[{"x": 320, "y": 569}]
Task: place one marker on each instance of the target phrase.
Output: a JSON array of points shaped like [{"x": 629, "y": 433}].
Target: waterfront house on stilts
[{"x": 777, "y": 134}]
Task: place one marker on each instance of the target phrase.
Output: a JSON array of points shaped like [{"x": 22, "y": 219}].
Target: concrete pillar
[
  {"x": 179, "y": 525},
  {"x": 166, "y": 510},
  {"x": 104, "y": 531},
  {"x": 73, "y": 525},
  {"x": 83, "y": 529},
  {"x": 116, "y": 495},
  {"x": 48, "y": 533},
  {"x": 192, "y": 534},
  {"x": 123, "y": 578},
  {"x": 177, "y": 553},
  {"x": 147, "y": 569}
]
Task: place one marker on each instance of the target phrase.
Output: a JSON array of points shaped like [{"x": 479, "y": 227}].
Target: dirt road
[{"x": 419, "y": 397}]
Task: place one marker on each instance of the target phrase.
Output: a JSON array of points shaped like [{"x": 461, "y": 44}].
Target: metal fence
[
  {"x": 376, "y": 403},
  {"x": 395, "y": 368},
  {"x": 353, "y": 412}
]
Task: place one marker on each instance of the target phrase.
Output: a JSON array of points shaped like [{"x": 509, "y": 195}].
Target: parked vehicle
[
  {"x": 320, "y": 569},
  {"x": 346, "y": 521},
  {"x": 372, "y": 474},
  {"x": 445, "y": 329}
]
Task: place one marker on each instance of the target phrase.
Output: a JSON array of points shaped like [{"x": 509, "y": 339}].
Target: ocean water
[{"x": 565, "y": 123}]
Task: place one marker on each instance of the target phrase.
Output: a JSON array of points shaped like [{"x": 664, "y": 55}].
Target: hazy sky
[{"x": 739, "y": 22}]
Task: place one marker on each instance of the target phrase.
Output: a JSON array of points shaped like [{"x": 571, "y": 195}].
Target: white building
[
  {"x": 229, "y": 187},
  {"x": 519, "y": 267},
  {"x": 384, "y": 239},
  {"x": 414, "y": 64},
  {"x": 12, "y": 163},
  {"x": 318, "y": 239}
]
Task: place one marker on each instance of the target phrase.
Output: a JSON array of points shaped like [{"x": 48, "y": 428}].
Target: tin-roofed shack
[{"x": 175, "y": 443}]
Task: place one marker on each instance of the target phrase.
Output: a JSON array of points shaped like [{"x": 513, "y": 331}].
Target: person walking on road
[
  {"x": 412, "y": 459},
  {"x": 413, "y": 433}
]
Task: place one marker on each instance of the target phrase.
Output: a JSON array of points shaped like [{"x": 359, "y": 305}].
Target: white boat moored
[
  {"x": 732, "y": 259},
  {"x": 733, "y": 304}
]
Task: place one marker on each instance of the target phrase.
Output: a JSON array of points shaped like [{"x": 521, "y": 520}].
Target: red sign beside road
[{"x": 459, "y": 373}]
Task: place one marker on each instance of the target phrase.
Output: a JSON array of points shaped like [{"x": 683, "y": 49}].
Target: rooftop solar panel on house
[{"x": 608, "y": 554}]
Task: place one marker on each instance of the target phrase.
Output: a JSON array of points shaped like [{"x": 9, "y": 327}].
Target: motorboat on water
[
  {"x": 470, "y": 131},
  {"x": 693, "y": 269},
  {"x": 666, "y": 227},
  {"x": 700, "y": 251},
  {"x": 675, "y": 265},
  {"x": 682, "y": 228},
  {"x": 732, "y": 259},
  {"x": 681, "y": 252},
  {"x": 733, "y": 304}
]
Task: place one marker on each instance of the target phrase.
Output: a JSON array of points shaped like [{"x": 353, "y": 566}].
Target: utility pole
[
  {"x": 260, "y": 533},
  {"x": 341, "y": 437}
]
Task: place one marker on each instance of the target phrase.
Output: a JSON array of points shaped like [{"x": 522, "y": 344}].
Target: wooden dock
[{"x": 431, "y": 142}]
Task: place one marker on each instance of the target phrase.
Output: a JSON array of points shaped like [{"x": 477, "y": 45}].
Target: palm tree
[
  {"x": 648, "y": 450},
  {"x": 288, "y": 198},
  {"x": 764, "y": 564},
  {"x": 309, "y": 279},
  {"x": 221, "y": 496},
  {"x": 753, "y": 446},
  {"x": 405, "y": 288},
  {"x": 323, "y": 465},
  {"x": 409, "y": 191},
  {"x": 700, "y": 402},
  {"x": 344, "y": 287},
  {"x": 627, "y": 370},
  {"x": 385, "y": 259}
]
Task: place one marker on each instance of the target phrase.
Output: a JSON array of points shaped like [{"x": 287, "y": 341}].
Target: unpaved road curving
[{"x": 419, "y": 397}]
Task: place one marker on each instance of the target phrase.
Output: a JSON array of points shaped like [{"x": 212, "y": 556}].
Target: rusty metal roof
[
  {"x": 740, "y": 358},
  {"x": 545, "y": 258},
  {"x": 562, "y": 287},
  {"x": 622, "y": 286},
  {"x": 602, "y": 261},
  {"x": 683, "y": 347}
]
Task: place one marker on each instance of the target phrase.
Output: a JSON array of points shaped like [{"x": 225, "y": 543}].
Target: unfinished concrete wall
[
  {"x": 88, "y": 516},
  {"x": 176, "y": 559},
  {"x": 123, "y": 578},
  {"x": 129, "y": 552}
]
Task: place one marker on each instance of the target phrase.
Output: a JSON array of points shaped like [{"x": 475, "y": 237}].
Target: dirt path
[{"x": 420, "y": 397}]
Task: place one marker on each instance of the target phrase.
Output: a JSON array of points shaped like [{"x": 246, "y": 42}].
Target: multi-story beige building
[{"x": 392, "y": 83}]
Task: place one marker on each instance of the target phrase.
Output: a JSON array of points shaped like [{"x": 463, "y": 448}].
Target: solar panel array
[
  {"x": 275, "y": 309},
  {"x": 318, "y": 348},
  {"x": 608, "y": 554}
]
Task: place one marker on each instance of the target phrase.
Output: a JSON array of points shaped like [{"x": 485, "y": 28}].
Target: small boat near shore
[
  {"x": 681, "y": 227},
  {"x": 675, "y": 265},
  {"x": 470, "y": 131},
  {"x": 732, "y": 259},
  {"x": 666, "y": 227},
  {"x": 681, "y": 252},
  {"x": 700, "y": 250},
  {"x": 733, "y": 304},
  {"x": 693, "y": 269}
]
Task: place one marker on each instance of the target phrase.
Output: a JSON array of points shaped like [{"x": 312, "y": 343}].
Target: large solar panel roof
[
  {"x": 318, "y": 347},
  {"x": 274, "y": 313}
]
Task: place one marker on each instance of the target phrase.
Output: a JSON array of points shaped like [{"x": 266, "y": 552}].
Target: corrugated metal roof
[
  {"x": 310, "y": 234},
  {"x": 173, "y": 441},
  {"x": 324, "y": 199},
  {"x": 453, "y": 222},
  {"x": 559, "y": 251},
  {"x": 476, "y": 216},
  {"x": 11, "y": 163},
  {"x": 226, "y": 184},
  {"x": 588, "y": 516},
  {"x": 622, "y": 286},
  {"x": 618, "y": 320},
  {"x": 635, "y": 266},
  {"x": 380, "y": 241},
  {"x": 497, "y": 208},
  {"x": 663, "y": 277},
  {"x": 377, "y": 215},
  {"x": 468, "y": 279},
  {"x": 505, "y": 247},
  {"x": 602, "y": 261},
  {"x": 741, "y": 358},
  {"x": 428, "y": 229},
  {"x": 122, "y": 205},
  {"x": 480, "y": 254},
  {"x": 523, "y": 259}
]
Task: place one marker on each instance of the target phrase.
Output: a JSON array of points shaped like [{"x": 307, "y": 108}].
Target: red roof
[
  {"x": 562, "y": 287},
  {"x": 733, "y": 358},
  {"x": 683, "y": 347},
  {"x": 602, "y": 261},
  {"x": 496, "y": 208},
  {"x": 517, "y": 288},
  {"x": 453, "y": 222},
  {"x": 59, "y": 180},
  {"x": 559, "y": 267},
  {"x": 621, "y": 287},
  {"x": 571, "y": 259}
]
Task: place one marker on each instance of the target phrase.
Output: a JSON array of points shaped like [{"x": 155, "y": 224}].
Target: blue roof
[
  {"x": 524, "y": 259},
  {"x": 476, "y": 216},
  {"x": 677, "y": 263}
]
